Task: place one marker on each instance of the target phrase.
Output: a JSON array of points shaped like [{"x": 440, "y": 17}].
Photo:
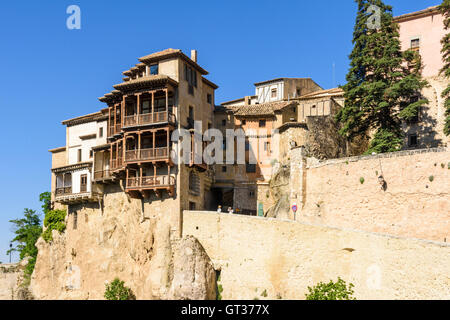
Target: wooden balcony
[
  {"x": 152, "y": 154},
  {"x": 155, "y": 183},
  {"x": 200, "y": 166},
  {"x": 116, "y": 164},
  {"x": 63, "y": 191},
  {"x": 113, "y": 130},
  {"x": 102, "y": 174},
  {"x": 149, "y": 118}
]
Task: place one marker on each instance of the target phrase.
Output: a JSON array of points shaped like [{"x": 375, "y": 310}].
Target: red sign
[{"x": 294, "y": 208}]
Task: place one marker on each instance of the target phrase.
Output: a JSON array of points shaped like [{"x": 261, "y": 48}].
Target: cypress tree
[
  {"x": 445, "y": 10},
  {"x": 381, "y": 81}
]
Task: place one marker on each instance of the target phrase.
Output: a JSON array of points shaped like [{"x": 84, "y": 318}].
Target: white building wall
[
  {"x": 264, "y": 92},
  {"x": 75, "y": 143}
]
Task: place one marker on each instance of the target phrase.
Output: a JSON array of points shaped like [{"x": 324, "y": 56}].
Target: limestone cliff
[{"x": 117, "y": 240}]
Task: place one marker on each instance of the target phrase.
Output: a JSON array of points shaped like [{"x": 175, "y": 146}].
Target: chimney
[
  {"x": 194, "y": 55},
  {"x": 247, "y": 100}
]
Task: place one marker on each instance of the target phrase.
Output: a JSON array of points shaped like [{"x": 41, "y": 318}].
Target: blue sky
[{"x": 51, "y": 73}]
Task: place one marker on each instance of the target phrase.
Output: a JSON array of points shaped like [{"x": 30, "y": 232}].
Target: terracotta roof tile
[{"x": 266, "y": 109}]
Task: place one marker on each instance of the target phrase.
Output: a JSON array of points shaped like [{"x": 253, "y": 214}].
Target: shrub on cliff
[
  {"x": 54, "y": 220},
  {"x": 117, "y": 290},
  {"x": 331, "y": 291}
]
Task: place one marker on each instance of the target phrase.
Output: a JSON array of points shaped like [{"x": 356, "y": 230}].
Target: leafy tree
[
  {"x": 331, "y": 291},
  {"x": 445, "y": 10},
  {"x": 381, "y": 81},
  {"x": 27, "y": 230},
  {"x": 117, "y": 290}
]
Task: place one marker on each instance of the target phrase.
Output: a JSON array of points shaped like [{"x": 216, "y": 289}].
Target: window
[
  {"x": 79, "y": 155},
  {"x": 247, "y": 145},
  {"x": 251, "y": 193},
  {"x": 224, "y": 169},
  {"x": 274, "y": 93},
  {"x": 194, "y": 183},
  {"x": 415, "y": 44},
  {"x": 190, "y": 119},
  {"x": 244, "y": 122},
  {"x": 224, "y": 122},
  {"x": 267, "y": 147},
  {"x": 191, "y": 205},
  {"x": 146, "y": 106},
  {"x": 83, "y": 183},
  {"x": 75, "y": 220},
  {"x": 191, "y": 77},
  {"x": 100, "y": 132},
  {"x": 250, "y": 168},
  {"x": 224, "y": 144},
  {"x": 262, "y": 123},
  {"x": 412, "y": 140},
  {"x": 209, "y": 98},
  {"x": 154, "y": 69},
  {"x": 91, "y": 154}
]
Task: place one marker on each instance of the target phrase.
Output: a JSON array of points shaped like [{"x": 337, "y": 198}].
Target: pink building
[{"x": 423, "y": 31}]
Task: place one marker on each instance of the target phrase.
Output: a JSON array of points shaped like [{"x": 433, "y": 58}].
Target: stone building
[
  {"x": 127, "y": 146},
  {"x": 422, "y": 31}
]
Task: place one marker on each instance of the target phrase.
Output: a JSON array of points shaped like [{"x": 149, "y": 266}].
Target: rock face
[
  {"x": 118, "y": 240},
  {"x": 11, "y": 278},
  {"x": 194, "y": 277}
]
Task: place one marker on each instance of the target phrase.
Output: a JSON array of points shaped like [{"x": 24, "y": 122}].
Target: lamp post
[{"x": 10, "y": 252}]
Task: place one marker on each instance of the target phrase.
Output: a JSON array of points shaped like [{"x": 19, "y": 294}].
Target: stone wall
[
  {"x": 283, "y": 258},
  {"x": 11, "y": 281},
  {"x": 347, "y": 193}
]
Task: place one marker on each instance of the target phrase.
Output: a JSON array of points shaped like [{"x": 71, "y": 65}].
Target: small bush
[
  {"x": 264, "y": 293},
  {"x": 331, "y": 291},
  {"x": 431, "y": 178},
  {"x": 116, "y": 290},
  {"x": 54, "y": 220},
  {"x": 362, "y": 180}
]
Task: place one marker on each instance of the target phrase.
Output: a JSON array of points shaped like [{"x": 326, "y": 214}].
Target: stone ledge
[
  {"x": 398, "y": 154},
  {"x": 382, "y": 235}
]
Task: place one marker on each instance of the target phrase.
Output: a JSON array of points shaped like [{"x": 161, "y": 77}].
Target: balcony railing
[
  {"x": 116, "y": 164},
  {"x": 102, "y": 174},
  {"x": 151, "y": 182},
  {"x": 63, "y": 191},
  {"x": 147, "y": 154},
  {"x": 114, "y": 129},
  {"x": 149, "y": 118}
]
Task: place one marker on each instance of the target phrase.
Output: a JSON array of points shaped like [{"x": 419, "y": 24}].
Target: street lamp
[{"x": 10, "y": 252}]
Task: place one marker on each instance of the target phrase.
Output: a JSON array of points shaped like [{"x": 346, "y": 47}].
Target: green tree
[
  {"x": 445, "y": 10},
  {"x": 117, "y": 290},
  {"x": 27, "y": 230},
  {"x": 381, "y": 81},
  {"x": 331, "y": 291}
]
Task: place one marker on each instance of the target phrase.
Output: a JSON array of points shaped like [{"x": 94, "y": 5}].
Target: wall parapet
[{"x": 404, "y": 153}]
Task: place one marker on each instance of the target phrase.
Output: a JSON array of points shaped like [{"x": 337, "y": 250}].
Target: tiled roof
[
  {"x": 144, "y": 81},
  {"x": 266, "y": 109},
  {"x": 323, "y": 93},
  {"x": 169, "y": 53},
  {"x": 83, "y": 119}
]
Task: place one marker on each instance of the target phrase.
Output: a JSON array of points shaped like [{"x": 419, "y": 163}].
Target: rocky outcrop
[
  {"x": 12, "y": 286},
  {"x": 117, "y": 240}
]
